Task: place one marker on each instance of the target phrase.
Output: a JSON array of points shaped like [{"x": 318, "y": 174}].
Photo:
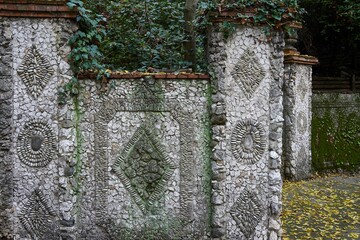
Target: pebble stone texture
[
  {"x": 149, "y": 158},
  {"x": 297, "y": 112},
  {"x": 33, "y": 65},
  {"x": 6, "y": 126},
  {"x": 247, "y": 123},
  {"x": 145, "y": 170},
  {"x": 140, "y": 169}
]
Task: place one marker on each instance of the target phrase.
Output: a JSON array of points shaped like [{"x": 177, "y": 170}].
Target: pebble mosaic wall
[
  {"x": 38, "y": 218},
  {"x": 297, "y": 101},
  {"x": 6, "y": 126},
  {"x": 36, "y": 144},
  {"x": 248, "y": 141},
  {"x": 35, "y": 71},
  {"x": 34, "y": 53},
  {"x": 247, "y": 120},
  {"x": 150, "y": 158},
  {"x": 248, "y": 72},
  {"x": 148, "y": 161},
  {"x": 247, "y": 220}
]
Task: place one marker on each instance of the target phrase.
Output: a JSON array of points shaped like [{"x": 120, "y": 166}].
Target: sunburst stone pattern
[
  {"x": 248, "y": 73},
  {"x": 247, "y": 212},
  {"x": 301, "y": 122},
  {"x": 143, "y": 168},
  {"x": 248, "y": 141},
  {"x": 38, "y": 218},
  {"x": 36, "y": 144},
  {"x": 35, "y": 71}
]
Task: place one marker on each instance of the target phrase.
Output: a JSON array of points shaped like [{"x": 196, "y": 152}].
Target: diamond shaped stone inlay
[
  {"x": 35, "y": 71},
  {"x": 143, "y": 168},
  {"x": 37, "y": 217},
  {"x": 247, "y": 212},
  {"x": 248, "y": 73}
]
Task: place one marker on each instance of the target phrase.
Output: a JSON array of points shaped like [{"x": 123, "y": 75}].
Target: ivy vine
[
  {"x": 85, "y": 53},
  {"x": 149, "y": 34},
  {"x": 85, "y": 56},
  {"x": 268, "y": 14}
]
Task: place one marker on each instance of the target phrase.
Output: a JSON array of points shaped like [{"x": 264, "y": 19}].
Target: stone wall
[
  {"x": 6, "y": 127},
  {"x": 33, "y": 52},
  {"x": 132, "y": 162},
  {"x": 141, "y": 168},
  {"x": 247, "y": 125},
  {"x": 335, "y": 131},
  {"x": 297, "y": 114},
  {"x": 150, "y": 156}
]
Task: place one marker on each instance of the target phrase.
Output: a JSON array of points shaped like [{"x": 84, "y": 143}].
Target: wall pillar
[
  {"x": 247, "y": 125},
  {"x": 6, "y": 128},
  {"x": 297, "y": 112},
  {"x": 33, "y": 49}
]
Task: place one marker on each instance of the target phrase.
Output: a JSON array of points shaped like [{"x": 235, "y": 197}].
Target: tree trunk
[{"x": 190, "y": 40}]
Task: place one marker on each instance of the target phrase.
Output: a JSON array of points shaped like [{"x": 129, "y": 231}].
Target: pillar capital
[{"x": 300, "y": 59}]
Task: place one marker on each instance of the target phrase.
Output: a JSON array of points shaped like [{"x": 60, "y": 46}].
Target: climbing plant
[
  {"x": 85, "y": 52},
  {"x": 85, "y": 55},
  {"x": 268, "y": 14},
  {"x": 150, "y": 34},
  {"x": 143, "y": 34}
]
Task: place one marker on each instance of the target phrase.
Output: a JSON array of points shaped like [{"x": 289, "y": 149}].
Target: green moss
[
  {"x": 335, "y": 136},
  {"x": 78, "y": 146}
]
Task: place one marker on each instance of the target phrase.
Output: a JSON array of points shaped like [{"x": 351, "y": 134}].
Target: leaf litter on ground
[{"x": 323, "y": 208}]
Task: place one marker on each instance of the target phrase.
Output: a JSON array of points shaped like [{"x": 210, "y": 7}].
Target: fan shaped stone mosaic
[
  {"x": 36, "y": 144},
  {"x": 38, "y": 218},
  {"x": 248, "y": 73},
  {"x": 247, "y": 212},
  {"x": 35, "y": 71},
  {"x": 301, "y": 122},
  {"x": 248, "y": 141},
  {"x": 144, "y": 168}
]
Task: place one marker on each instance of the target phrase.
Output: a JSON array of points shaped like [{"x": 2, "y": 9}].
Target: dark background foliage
[
  {"x": 142, "y": 33},
  {"x": 332, "y": 33},
  {"x": 150, "y": 34}
]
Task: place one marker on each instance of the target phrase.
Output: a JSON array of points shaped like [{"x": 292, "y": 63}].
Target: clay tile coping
[
  {"x": 136, "y": 75},
  {"x": 300, "y": 59},
  {"x": 36, "y": 8}
]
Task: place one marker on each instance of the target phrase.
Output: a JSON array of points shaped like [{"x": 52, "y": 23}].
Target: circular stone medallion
[
  {"x": 248, "y": 141},
  {"x": 36, "y": 144}
]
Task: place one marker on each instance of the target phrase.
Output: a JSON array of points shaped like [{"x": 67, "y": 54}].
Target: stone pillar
[
  {"x": 33, "y": 49},
  {"x": 6, "y": 128},
  {"x": 247, "y": 125},
  {"x": 297, "y": 111}
]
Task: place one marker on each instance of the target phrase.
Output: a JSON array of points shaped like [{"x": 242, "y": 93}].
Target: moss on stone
[{"x": 336, "y": 133}]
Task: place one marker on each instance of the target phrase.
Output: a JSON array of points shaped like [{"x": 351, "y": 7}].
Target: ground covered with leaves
[{"x": 322, "y": 208}]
